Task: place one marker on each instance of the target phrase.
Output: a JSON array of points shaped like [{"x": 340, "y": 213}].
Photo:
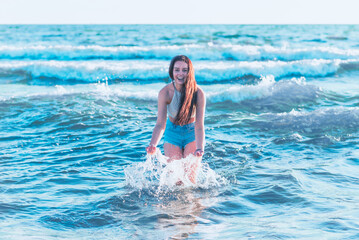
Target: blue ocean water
[{"x": 78, "y": 105}]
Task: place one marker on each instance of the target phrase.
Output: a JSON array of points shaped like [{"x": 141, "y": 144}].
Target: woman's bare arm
[
  {"x": 199, "y": 125},
  {"x": 161, "y": 121}
]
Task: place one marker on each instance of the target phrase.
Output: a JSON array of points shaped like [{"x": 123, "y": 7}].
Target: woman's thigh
[
  {"x": 189, "y": 149},
  {"x": 172, "y": 151}
]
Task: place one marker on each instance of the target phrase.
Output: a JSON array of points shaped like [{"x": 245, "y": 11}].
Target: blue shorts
[{"x": 179, "y": 135}]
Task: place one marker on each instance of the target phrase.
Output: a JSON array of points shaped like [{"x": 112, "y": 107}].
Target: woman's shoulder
[
  {"x": 201, "y": 97},
  {"x": 200, "y": 92},
  {"x": 166, "y": 91}
]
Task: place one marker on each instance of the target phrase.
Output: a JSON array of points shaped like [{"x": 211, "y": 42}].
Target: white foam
[{"x": 239, "y": 93}]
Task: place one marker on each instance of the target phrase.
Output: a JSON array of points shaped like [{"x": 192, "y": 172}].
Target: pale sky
[{"x": 179, "y": 12}]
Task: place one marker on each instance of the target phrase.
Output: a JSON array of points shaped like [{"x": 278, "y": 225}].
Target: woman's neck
[{"x": 178, "y": 87}]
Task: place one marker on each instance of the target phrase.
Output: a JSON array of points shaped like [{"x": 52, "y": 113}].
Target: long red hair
[{"x": 188, "y": 92}]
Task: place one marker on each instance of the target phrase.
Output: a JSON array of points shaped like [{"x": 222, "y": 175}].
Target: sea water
[{"x": 78, "y": 104}]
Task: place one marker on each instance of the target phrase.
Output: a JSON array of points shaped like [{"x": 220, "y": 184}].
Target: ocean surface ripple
[{"x": 78, "y": 105}]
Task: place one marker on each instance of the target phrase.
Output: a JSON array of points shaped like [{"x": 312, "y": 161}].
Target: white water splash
[{"x": 158, "y": 174}]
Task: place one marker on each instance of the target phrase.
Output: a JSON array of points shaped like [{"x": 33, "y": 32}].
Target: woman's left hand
[{"x": 198, "y": 153}]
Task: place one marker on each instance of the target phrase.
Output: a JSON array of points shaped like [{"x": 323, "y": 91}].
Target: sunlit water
[{"x": 78, "y": 106}]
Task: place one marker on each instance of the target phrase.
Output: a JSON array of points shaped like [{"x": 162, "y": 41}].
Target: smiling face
[{"x": 180, "y": 72}]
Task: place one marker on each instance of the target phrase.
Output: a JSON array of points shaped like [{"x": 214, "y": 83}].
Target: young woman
[{"x": 185, "y": 103}]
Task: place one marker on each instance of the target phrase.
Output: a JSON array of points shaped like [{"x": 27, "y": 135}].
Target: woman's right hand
[{"x": 151, "y": 149}]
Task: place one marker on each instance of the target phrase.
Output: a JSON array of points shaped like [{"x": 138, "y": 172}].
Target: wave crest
[
  {"x": 206, "y": 72},
  {"x": 268, "y": 94},
  {"x": 322, "y": 121},
  {"x": 208, "y": 51}
]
